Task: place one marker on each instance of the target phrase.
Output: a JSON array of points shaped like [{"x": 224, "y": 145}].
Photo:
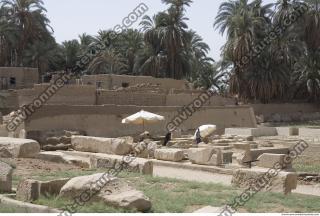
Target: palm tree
[
  {"x": 196, "y": 51},
  {"x": 166, "y": 32},
  {"x": 30, "y": 20},
  {"x": 85, "y": 41},
  {"x": 245, "y": 23},
  {"x": 307, "y": 69},
  {"x": 71, "y": 52},
  {"x": 8, "y": 39},
  {"x": 153, "y": 60},
  {"x": 130, "y": 44},
  {"x": 211, "y": 76},
  {"x": 108, "y": 62},
  {"x": 40, "y": 54},
  {"x": 173, "y": 29}
]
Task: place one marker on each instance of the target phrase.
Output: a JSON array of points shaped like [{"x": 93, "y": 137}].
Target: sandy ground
[
  {"x": 29, "y": 167},
  {"x": 191, "y": 175},
  {"x": 200, "y": 176}
]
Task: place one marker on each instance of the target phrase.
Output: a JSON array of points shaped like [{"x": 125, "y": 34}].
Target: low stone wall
[
  {"x": 130, "y": 98},
  {"x": 88, "y": 95},
  {"x": 309, "y": 132},
  {"x": 8, "y": 101},
  {"x": 255, "y": 132},
  {"x": 25, "y": 207},
  {"x": 68, "y": 95},
  {"x": 105, "y": 121},
  {"x": 293, "y": 112},
  {"x": 23, "y": 77},
  {"x": 255, "y": 153},
  {"x": 108, "y": 81}
]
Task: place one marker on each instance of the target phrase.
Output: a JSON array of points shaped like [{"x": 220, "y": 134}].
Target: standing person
[
  {"x": 198, "y": 136},
  {"x": 237, "y": 100},
  {"x": 167, "y": 139}
]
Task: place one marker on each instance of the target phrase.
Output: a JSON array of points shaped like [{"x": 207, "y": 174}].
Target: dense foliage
[{"x": 284, "y": 68}]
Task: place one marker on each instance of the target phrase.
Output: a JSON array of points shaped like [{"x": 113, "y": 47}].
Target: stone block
[
  {"x": 101, "y": 145},
  {"x": 270, "y": 160},
  {"x": 5, "y": 177},
  {"x": 262, "y": 179},
  {"x": 138, "y": 165},
  {"x": 227, "y": 157},
  {"x": 209, "y": 209},
  {"x": 309, "y": 132},
  {"x": 287, "y": 131},
  {"x": 28, "y": 190},
  {"x": 205, "y": 156},
  {"x": 175, "y": 155},
  {"x": 242, "y": 154},
  {"x": 255, "y": 132},
  {"x": 52, "y": 188},
  {"x": 255, "y": 153},
  {"x": 18, "y": 148},
  {"x": 110, "y": 190}
]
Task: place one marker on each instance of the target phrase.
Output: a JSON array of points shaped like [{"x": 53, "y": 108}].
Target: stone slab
[
  {"x": 175, "y": 155},
  {"x": 209, "y": 209},
  {"x": 105, "y": 161},
  {"x": 101, "y": 145},
  {"x": 5, "y": 177},
  {"x": 309, "y": 132},
  {"x": 255, "y": 153},
  {"x": 18, "y": 148},
  {"x": 265, "y": 180},
  {"x": 267, "y": 160},
  {"x": 205, "y": 156},
  {"x": 255, "y": 132},
  {"x": 287, "y": 131},
  {"x": 25, "y": 207}
]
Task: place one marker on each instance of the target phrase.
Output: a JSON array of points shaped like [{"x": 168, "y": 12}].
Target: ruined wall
[
  {"x": 185, "y": 99},
  {"x": 68, "y": 95},
  {"x": 8, "y": 101},
  {"x": 109, "y": 81},
  {"x": 87, "y": 95},
  {"x": 155, "y": 99},
  {"x": 23, "y": 77},
  {"x": 130, "y": 98},
  {"x": 287, "y": 112},
  {"x": 105, "y": 121}
]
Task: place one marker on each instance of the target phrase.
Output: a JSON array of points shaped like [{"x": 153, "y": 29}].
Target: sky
[{"x": 70, "y": 18}]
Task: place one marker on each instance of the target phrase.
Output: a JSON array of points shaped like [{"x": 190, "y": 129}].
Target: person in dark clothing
[
  {"x": 198, "y": 137},
  {"x": 167, "y": 139}
]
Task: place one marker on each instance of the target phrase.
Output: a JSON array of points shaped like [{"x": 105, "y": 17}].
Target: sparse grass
[
  {"x": 307, "y": 164},
  {"x": 15, "y": 180},
  {"x": 96, "y": 207},
  {"x": 47, "y": 176},
  {"x": 279, "y": 203},
  {"x": 177, "y": 196},
  {"x": 4, "y": 209},
  {"x": 64, "y": 174}
]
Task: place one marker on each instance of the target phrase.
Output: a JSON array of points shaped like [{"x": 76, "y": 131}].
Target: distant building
[
  {"x": 18, "y": 78},
  {"x": 110, "y": 81}
]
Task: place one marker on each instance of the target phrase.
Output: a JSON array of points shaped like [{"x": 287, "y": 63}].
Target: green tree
[{"x": 31, "y": 23}]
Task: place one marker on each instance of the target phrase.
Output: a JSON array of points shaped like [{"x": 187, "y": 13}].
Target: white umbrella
[
  {"x": 142, "y": 118},
  {"x": 206, "y": 130}
]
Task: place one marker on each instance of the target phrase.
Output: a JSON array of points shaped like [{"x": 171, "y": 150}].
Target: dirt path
[
  {"x": 207, "y": 177},
  {"x": 191, "y": 175}
]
